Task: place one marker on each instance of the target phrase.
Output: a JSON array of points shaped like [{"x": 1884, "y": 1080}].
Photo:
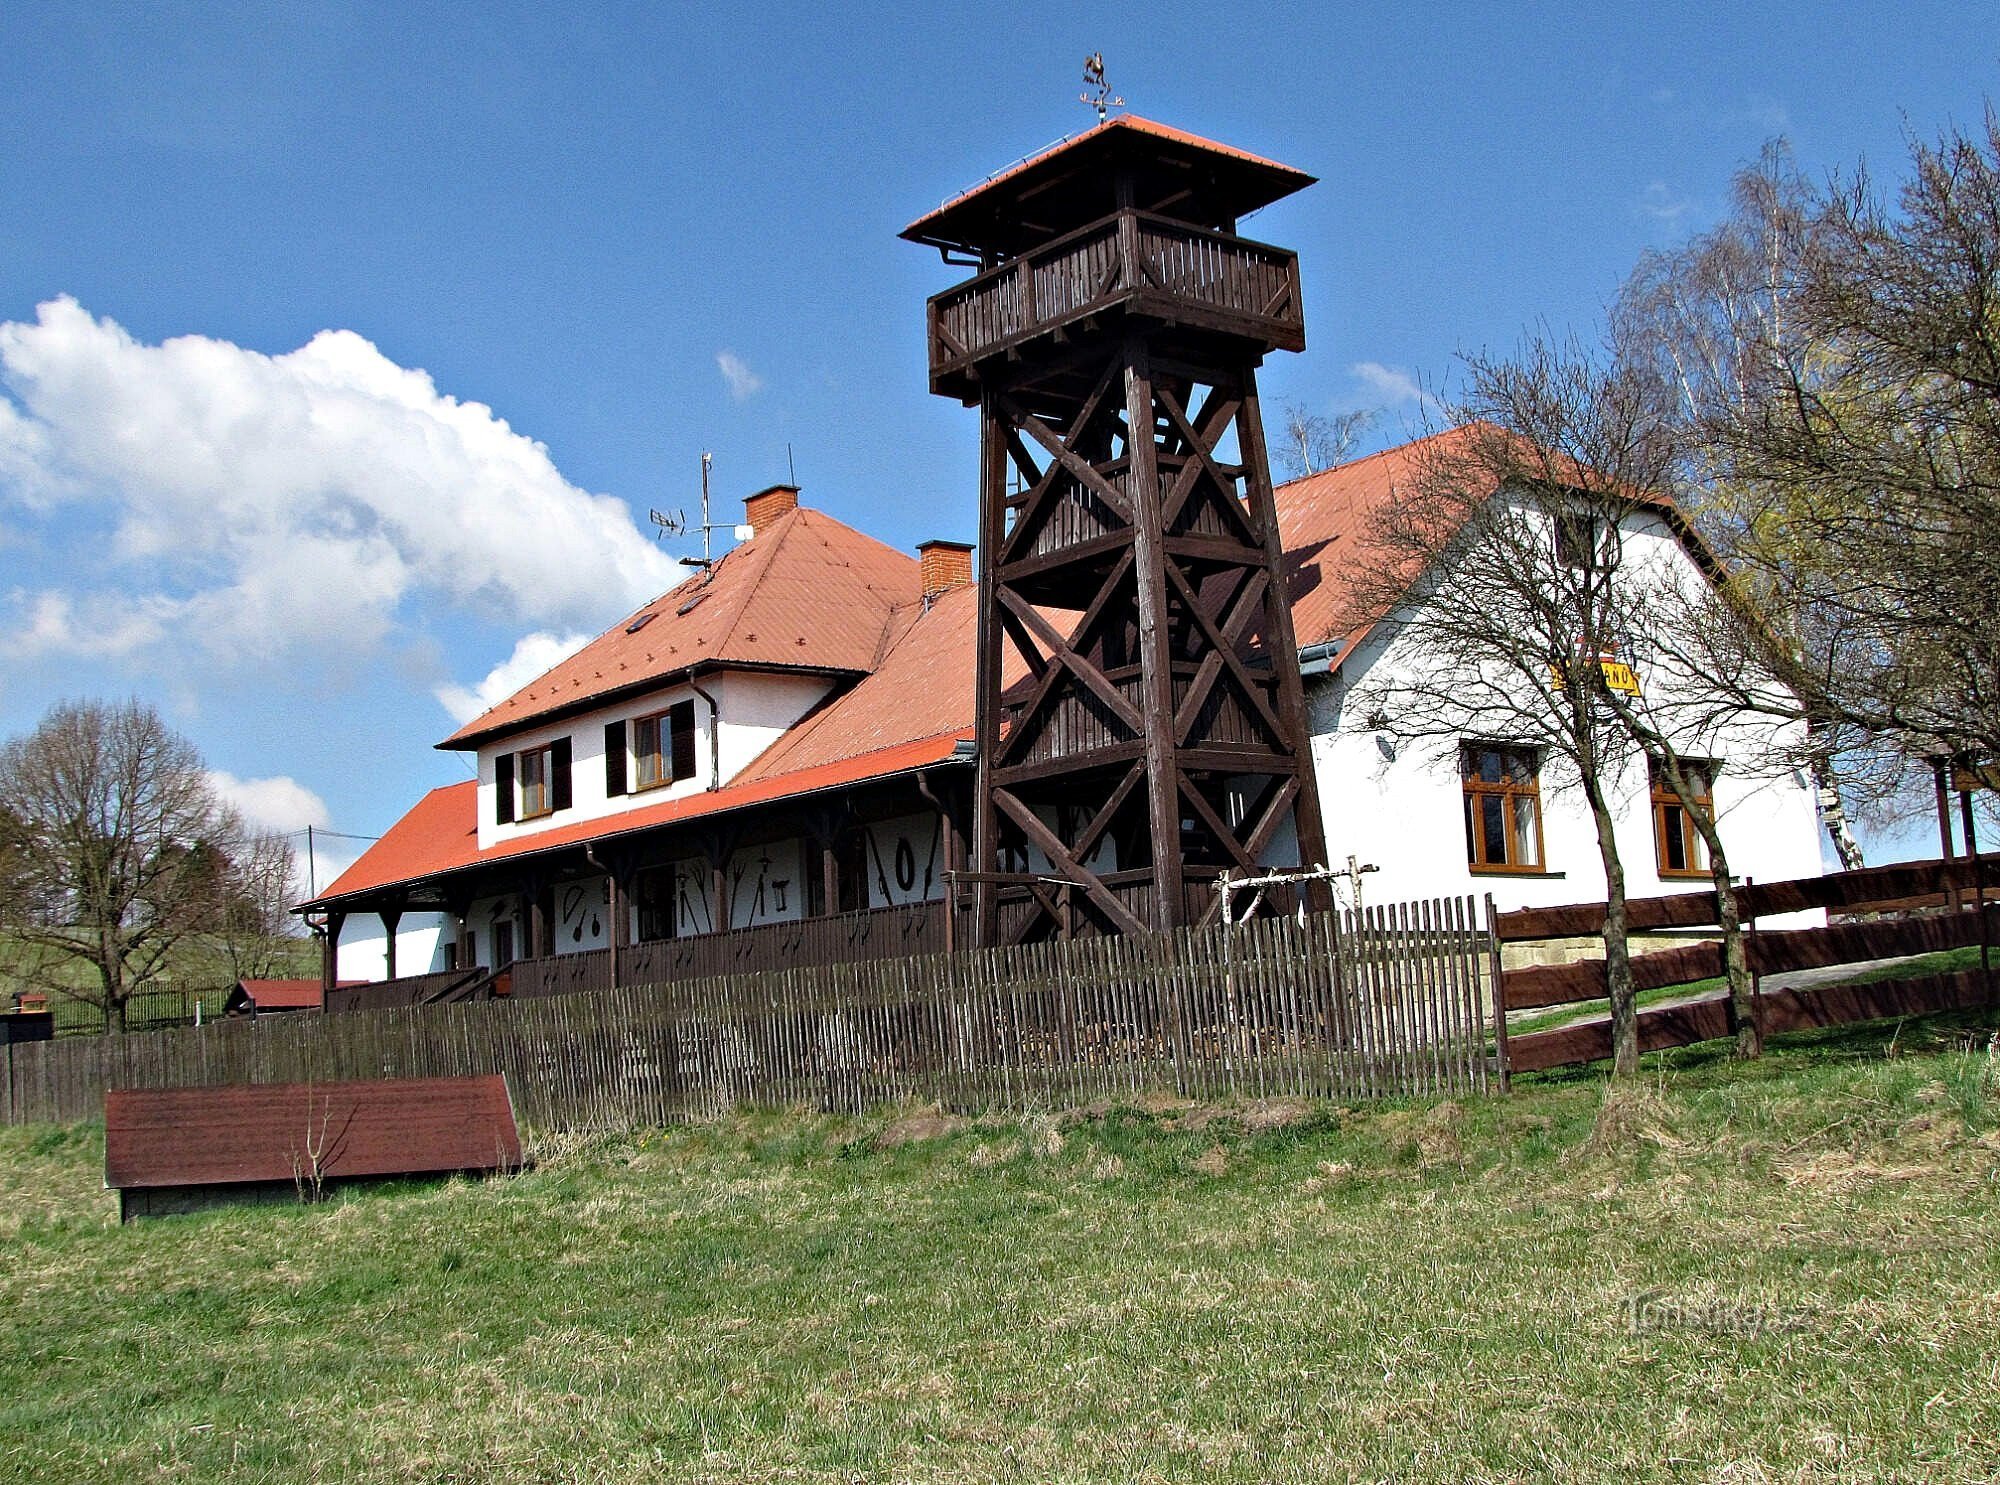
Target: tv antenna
[
  {"x": 676, "y": 523},
  {"x": 1099, "y": 97}
]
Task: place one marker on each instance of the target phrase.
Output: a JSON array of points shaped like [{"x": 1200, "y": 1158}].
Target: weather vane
[{"x": 1099, "y": 97}]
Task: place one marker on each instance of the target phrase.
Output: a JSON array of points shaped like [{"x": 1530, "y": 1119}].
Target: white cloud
[
  {"x": 100, "y": 628},
  {"x": 533, "y": 654},
  {"x": 280, "y": 803},
  {"x": 1386, "y": 384},
  {"x": 255, "y": 506},
  {"x": 743, "y": 383},
  {"x": 1660, "y": 202}
]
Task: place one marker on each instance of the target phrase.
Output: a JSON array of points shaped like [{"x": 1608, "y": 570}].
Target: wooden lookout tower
[{"x": 1141, "y": 725}]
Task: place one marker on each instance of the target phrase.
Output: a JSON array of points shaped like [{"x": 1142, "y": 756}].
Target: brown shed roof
[{"x": 172, "y": 1137}]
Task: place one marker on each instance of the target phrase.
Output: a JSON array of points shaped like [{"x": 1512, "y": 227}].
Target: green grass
[{"x": 1429, "y": 1292}]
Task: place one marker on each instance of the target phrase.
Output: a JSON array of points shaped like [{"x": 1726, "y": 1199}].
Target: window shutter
[
  {"x": 614, "y": 759},
  {"x": 503, "y": 789},
  {"x": 680, "y": 722},
  {"x": 559, "y": 774}
]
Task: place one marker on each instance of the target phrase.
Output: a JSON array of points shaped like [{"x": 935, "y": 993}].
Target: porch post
[
  {"x": 329, "y": 955},
  {"x": 390, "y": 918}
]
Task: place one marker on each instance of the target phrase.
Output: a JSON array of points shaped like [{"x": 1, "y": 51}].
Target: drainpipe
[
  {"x": 950, "y": 834},
  {"x": 714, "y": 734},
  {"x": 617, "y": 905}
]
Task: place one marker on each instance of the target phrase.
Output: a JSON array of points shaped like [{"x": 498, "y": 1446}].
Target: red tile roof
[
  {"x": 807, "y": 592},
  {"x": 918, "y": 700},
  {"x": 1280, "y": 180},
  {"x": 284, "y": 995},
  {"x": 441, "y": 833}
]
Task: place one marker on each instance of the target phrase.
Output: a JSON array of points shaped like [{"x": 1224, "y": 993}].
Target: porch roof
[{"x": 441, "y": 834}]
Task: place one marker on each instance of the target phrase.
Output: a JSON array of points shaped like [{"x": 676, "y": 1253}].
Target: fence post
[{"x": 1495, "y": 972}]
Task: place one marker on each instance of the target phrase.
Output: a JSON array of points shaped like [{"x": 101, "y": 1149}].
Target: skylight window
[
  {"x": 688, "y": 607},
  {"x": 642, "y": 621}
]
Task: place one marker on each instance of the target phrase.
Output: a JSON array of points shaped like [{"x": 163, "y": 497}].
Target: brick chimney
[
  {"x": 764, "y": 508},
  {"x": 945, "y": 565}
]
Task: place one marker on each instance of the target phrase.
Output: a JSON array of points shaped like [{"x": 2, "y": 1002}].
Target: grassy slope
[{"x": 1425, "y": 1293}]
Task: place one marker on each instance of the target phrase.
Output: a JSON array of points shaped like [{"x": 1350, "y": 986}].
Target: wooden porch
[{"x": 1128, "y": 263}]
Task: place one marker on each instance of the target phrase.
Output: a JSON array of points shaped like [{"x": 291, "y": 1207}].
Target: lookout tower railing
[{"x": 1132, "y": 262}]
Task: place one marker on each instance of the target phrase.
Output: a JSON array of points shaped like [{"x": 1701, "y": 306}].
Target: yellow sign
[
  {"x": 1966, "y": 779},
  {"x": 1618, "y": 676}
]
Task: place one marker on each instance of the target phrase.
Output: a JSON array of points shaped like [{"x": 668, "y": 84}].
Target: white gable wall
[{"x": 1400, "y": 805}]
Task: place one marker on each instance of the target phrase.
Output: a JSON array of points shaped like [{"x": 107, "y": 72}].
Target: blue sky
[{"x": 340, "y": 344}]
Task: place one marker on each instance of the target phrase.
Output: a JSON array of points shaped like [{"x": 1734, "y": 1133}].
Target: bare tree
[
  {"x": 1839, "y": 364},
  {"x": 122, "y": 851},
  {"x": 255, "y": 935},
  {"x": 1500, "y": 573},
  {"x": 1714, "y": 319},
  {"x": 1314, "y": 441}
]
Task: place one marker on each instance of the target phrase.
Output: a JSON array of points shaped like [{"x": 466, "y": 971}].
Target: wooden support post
[
  {"x": 391, "y": 917},
  {"x": 1940, "y": 773},
  {"x": 1309, "y": 823},
  {"x": 1496, "y": 971},
  {"x": 329, "y": 954},
  {"x": 616, "y": 907},
  {"x": 986, "y": 709},
  {"x": 1156, "y": 650},
  {"x": 535, "y": 918}
]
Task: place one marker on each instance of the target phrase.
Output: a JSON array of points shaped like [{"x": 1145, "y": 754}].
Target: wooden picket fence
[{"x": 1388, "y": 1003}]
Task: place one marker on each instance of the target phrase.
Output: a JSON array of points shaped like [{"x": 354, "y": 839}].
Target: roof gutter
[{"x": 1318, "y": 659}]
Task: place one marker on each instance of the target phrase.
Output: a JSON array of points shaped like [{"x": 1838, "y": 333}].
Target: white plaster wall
[
  {"x": 421, "y": 940},
  {"x": 766, "y": 884},
  {"x": 1405, "y": 813},
  {"x": 481, "y": 917},
  {"x": 755, "y": 710},
  {"x": 905, "y": 860},
  {"x": 583, "y": 915}
]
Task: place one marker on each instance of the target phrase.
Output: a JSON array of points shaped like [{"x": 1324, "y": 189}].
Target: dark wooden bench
[{"x": 176, "y": 1149}]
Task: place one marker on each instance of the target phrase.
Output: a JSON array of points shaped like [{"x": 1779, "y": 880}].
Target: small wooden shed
[{"x": 177, "y": 1149}]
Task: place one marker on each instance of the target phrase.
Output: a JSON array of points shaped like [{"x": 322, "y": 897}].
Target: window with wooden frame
[
  {"x": 1682, "y": 852},
  {"x": 663, "y": 747},
  {"x": 532, "y": 782},
  {"x": 1503, "y": 807},
  {"x": 1586, "y": 540}
]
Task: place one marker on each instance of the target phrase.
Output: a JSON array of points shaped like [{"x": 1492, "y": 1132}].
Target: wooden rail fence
[
  {"x": 1389, "y": 1003},
  {"x": 1971, "y": 919}
]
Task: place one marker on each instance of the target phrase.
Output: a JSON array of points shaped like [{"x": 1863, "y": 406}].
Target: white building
[{"x": 789, "y": 738}]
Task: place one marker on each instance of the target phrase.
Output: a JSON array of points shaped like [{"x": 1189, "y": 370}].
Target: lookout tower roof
[{"x": 1073, "y": 183}]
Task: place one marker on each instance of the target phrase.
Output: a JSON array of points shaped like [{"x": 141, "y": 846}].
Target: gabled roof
[
  {"x": 922, "y": 688},
  {"x": 806, "y": 593}
]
